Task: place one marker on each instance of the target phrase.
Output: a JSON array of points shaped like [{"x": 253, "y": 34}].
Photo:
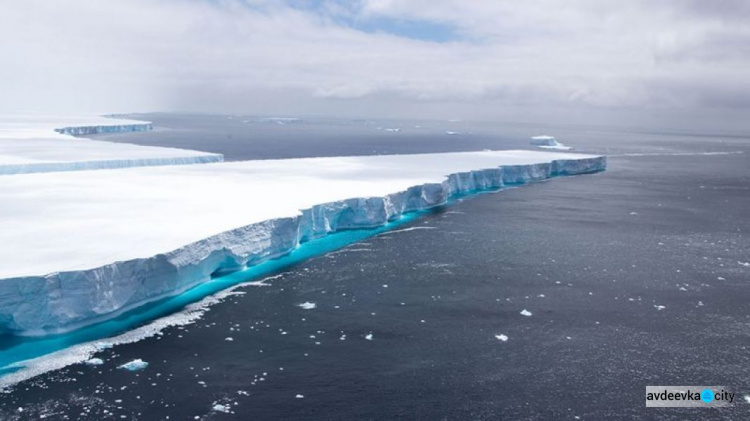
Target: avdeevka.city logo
[{"x": 688, "y": 397}]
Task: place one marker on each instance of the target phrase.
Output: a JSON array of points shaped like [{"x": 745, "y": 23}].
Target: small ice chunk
[
  {"x": 368, "y": 336},
  {"x": 229, "y": 339},
  {"x": 95, "y": 361},
  {"x": 526, "y": 313},
  {"x": 501, "y": 337},
  {"x": 659, "y": 307},
  {"x": 135, "y": 365},
  {"x": 299, "y": 396},
  {"x": 221, "y": 408},
  {"x": 307, "y": 305}
]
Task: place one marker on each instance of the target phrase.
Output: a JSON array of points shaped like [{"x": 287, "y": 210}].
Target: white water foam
[{"x": 84, "y": 351}]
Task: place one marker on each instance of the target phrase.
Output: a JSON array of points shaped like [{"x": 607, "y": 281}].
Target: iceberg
[
  {"x": 548, "y": 142},
  {"x": 40, "y": 143},
  {"x": 78, "y": 249}
]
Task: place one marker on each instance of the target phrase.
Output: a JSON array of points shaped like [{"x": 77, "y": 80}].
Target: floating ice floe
[
  {"x": 135, "y": 365},
  {"x": 502, "y": 337},
  {"x": 94, "y": 361},
  {"x": 368, "y": 336},
  {"x": 307, "y": 305},
  {"x": 526, "y": 313}
]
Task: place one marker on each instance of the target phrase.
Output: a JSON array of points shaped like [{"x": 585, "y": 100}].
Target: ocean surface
[{"x": 636, "y": 276}]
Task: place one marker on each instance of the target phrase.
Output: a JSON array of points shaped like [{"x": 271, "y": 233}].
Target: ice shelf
[
  {"x": 41, "y": 143},
  {"x": 77, "y": 248}
]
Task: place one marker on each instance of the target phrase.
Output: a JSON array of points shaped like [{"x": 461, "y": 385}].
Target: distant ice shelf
[
  {"x": 42, "y": 143},
  {"x": 78, "y": 249}
]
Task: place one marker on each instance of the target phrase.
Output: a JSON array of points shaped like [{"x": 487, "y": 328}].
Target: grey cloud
[{"x": 261, "y": 55}]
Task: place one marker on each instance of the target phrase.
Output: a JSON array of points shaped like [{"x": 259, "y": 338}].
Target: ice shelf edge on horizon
[
  {"x": 82, "y": 249},
  {"x": 42, "y": 143}
]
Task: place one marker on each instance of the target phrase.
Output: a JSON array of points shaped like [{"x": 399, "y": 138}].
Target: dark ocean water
[{"x": 593, "y": 258}]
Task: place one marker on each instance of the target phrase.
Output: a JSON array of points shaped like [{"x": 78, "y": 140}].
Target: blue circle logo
[{"x": 707, "y": 395}]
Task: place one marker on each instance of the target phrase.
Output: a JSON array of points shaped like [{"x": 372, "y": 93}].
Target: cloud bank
[{"x": 542, "y": 59}]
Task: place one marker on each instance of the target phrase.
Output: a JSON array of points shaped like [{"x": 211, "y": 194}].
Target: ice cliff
[
  {"x": 109, "y": 128},
  {"x": 107, "y": 164},
  {"x": 66, "y": 300}
]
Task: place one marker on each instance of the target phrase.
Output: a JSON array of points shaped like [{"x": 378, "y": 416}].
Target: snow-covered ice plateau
[{"x": 78, "y": 248}]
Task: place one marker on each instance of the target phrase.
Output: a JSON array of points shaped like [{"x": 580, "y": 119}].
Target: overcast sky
[{"x": 538, "y": 60}]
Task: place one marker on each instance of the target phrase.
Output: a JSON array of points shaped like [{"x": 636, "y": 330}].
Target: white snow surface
[
  {"x": 79, "y": 247},
  {"x": 43, "y": 143}
]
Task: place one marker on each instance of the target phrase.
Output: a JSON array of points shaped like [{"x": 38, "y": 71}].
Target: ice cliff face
[
  {"x": 64, "y": 301},
  {"x": 41, "y": 167},
  {"x": 115, "y": 128}
]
